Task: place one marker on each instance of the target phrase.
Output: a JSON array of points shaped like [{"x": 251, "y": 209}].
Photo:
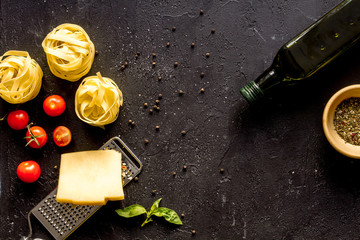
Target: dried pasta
[
  {"x": 69, "y": 52},
  {"x": 20, "y": 77},
  {"x": 97, "y": 100}
]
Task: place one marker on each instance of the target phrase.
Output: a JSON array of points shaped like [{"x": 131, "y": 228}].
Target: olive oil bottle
[{"x": 309, "y": 51}]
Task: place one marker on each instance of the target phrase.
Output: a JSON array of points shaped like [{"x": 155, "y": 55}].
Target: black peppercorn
[
  {"x": 159, "y": 78},
  {"x": 168, "y": 44},
  {"x": 193, "y": 232},
  {"x": 174, "y": 29},
  {"x": 201, "y": 12},
  {"x": 96, "y": 52},
  {"x": 157, "y": 128},
  {"x": 122, "y": 67},
  {"x": 184, "y": 168},
  {"x": 136, "y": 179},
  {"x": 207, "y": 54},
  {"x": 213, "y": 30},
  {"x": 126, "y": 63},
  {"x": 174, "y": 173},
  {"x": 202, "y": 74},
  {"x": 154, "y": 54},
  {"x": 130, "y": 121},
  {"x": 202, "y": 90},
  {"x": 176, "y": 64},
  {"x": 146, "y": 141},
  {"x": 222, "y": 170},
  {"x": 183, "y": 132},
  {"x": 160, "y": 96},
  {"x": 154, "y": 107},
  {"x": 153, "y": 64},
  {"x": 157, "y": 102},
  {"x": 192, "y": 45},
  {"x": 153, "y": 192},
  {"x": 158, "y": 108},
  {"x": 181, "y": 92},
  {"x": 145, "y": 105},
  {"x": 138, "y": 53},
  {"x": 150, "y": 111},
  {"x": 182, "y": 215},
  {"x": 133, "y": 124}
]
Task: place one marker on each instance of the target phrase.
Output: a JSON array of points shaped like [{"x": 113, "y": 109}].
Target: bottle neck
[{"x": 257, "y": 89}]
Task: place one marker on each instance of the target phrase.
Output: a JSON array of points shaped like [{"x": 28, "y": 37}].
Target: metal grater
[{"x": 61, "y": 219}]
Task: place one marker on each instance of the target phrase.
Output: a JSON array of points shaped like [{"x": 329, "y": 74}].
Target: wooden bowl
[{"x": 332, "y": 136}]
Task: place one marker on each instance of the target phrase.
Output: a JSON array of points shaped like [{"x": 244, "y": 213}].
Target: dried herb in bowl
[{"x": 347, "y": 120}]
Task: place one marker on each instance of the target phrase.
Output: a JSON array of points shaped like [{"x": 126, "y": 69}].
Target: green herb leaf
[
  {"x": 131, "y": 211},
  {"x": 169, "y": 215},
  {"x": 154, "y": 207}
]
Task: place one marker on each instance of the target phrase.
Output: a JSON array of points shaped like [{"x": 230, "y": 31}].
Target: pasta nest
[
  {"x": 20, "y": 77},
  {"x": 97, "y": 100},
  {"x": 69, "y": 52}
]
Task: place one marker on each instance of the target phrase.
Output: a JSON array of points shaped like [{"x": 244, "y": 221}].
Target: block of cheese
[{"x": 90, "y": 177}]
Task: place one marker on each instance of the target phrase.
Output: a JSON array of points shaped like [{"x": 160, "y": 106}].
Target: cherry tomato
[
  {"x": 28, "y": 171},
  {"x": 62, "y": 136},
  {"x": 18, "y": 119},
  {"x": 37, "y": 133},
  {"x": 54, "y": 105}
]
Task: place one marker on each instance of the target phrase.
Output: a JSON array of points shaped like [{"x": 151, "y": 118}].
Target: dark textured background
[{"x": 282, "y": 179}]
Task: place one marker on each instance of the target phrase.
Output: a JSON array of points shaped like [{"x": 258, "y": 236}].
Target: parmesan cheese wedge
[{"x": 90, "y": 177}]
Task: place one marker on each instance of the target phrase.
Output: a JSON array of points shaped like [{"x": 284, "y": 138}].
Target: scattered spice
[
  {"x": 153, "y": 192},
  {"x": 96, "y": 52},
  {"x": 207, "y": 54},
  {"x": 146, "y": 141},
  {"x": 130, "y": 121},
  {"x": 182, "y": 215},
  {"x": 133, "y": 124},
  {"x": 153, "y": 64},
  {"x": 221, "y": 170},
  {"x": 183, "y": 132},
  {"x": 160, "y": 96},
  {"x": 157, "y": 102},
  {"x": 213, "y": 30},
  {"x": 174, "y": 29},
  {"x": 157, "y": 127},
  {"x": 201, "y": 12},
  {"x": 145, "y": 105},
  {"x": 126, "y": 63},
  {"x": 55, "y": 167},
  {"x": 202, "y": 74},
  {"x": 159, "y": 78},
  {"x": 168, "y": 44},
  {"x": 176, "y": 64},
  {"x": 158, "y": 108},
  {"x": 192, "y": 45},
  {"x": 136, "y": 179},
  {"x": 138, "y": 53},
  {"x": 184, "y": 168},
  {"x": 202, "y": 90},
  {"x": 193, "y": 232},
  {"x": 154, "y": 55},
  {"x": 347, "y": 120},
  {"x": 174, "y": 173},
  {"x": 122, "y": 67},
  {"x": 154, "y": 107},
  {"x": 181, "y": 92},
  {"x": 150, "y": 111}
]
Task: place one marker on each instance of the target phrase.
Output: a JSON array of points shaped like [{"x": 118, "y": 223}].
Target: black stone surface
[{"x": 281, "y": 179}]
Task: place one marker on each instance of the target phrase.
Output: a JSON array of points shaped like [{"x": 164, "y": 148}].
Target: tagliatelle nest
[
  {"x": 20, "y": 77},
  {"x": 97, "y": 100},
  {"x": 69, "y": 52}
]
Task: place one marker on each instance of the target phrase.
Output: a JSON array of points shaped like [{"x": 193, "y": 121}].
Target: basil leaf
[
  {"x": 131, "y": 211},
  {"x": 154, "y": 207},
  {"x": 169, "y": 215}
]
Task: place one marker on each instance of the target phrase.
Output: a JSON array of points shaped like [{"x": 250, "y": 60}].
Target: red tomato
[
  {"x": 37, "y": 133},
  {"x": 62, "y": 136},
  {"x": 28, "y": 171},
  {"x": 18, "y": 119},
  {"x": 54, "y": 105}
]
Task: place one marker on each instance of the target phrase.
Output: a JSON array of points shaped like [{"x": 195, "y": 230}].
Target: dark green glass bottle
[{"x": 309, "y": 51}]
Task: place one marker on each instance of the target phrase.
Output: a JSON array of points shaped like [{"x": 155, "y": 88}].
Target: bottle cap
[{"x": 251, "y": 92}]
